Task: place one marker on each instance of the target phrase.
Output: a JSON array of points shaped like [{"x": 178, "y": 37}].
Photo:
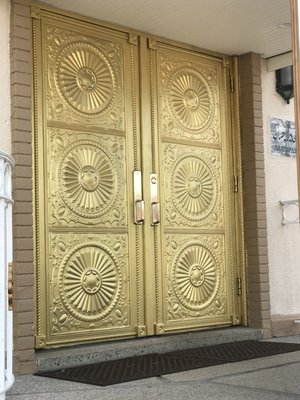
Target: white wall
[
  {"x": 5, "y": 126},
  {"x": 281, "y": 184}
]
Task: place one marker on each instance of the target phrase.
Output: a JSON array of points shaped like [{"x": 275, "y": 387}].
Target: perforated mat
[{"x": 150, "y": 365}]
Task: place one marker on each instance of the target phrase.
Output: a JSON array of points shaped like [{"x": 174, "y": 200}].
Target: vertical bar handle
[
  {"x": 155, "y": 206},
  {"x": 138, "y": 202}
]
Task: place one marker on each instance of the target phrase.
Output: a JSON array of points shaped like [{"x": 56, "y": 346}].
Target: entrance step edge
[{"x": 48, "y": 360}]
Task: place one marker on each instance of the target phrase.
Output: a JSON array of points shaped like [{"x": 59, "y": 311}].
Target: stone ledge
[
  {"x": 88, "y": 354},
  {"x": 284, "y": 325}
]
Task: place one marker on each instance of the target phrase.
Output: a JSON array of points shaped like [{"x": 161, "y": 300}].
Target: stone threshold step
[{"x": 48, "y": 360}]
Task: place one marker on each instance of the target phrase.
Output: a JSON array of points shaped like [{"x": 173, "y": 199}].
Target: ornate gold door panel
[
  {"x": 89, "y": 280},
  {"x": 133, "y": 139},
  {"x": 196, "y": 271}
]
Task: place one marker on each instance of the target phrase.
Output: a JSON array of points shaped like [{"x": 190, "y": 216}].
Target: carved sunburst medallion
[
  {"x": 87, "y": 180},
  {"x": 196, "y": 277},
  {"x": 190, "y": 98},
  {"x": 90, "y": 282},
  {"x": 85, "y": 77},
  {"x": 193, "y": 187}
]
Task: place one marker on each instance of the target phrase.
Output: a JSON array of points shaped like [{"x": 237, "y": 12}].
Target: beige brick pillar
[
  {"x": 21, "y": 90},
  {"x": 254, "y": 192}
]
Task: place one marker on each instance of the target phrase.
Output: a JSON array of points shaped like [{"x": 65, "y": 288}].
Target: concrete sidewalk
[{"x": 269, "y": 378}]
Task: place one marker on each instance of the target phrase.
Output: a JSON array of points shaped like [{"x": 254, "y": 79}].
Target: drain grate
[{"x": 150, "y": 365}]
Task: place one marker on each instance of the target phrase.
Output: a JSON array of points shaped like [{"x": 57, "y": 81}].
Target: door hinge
[
  {"x": 235, "y": 183},
  {"x": 231, "y": 82},
  {"x": 239, "y": 286}
]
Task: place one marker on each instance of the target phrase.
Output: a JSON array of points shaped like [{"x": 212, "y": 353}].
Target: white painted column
[
  {"x": 6, "y": 255},
  {"x": 6, "y": 345},
  {"x": 295, "y": 15},
  {"x": 5, "y": 104}
]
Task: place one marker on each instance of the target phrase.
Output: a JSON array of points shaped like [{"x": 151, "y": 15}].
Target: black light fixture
[{"x": 284, "y": 83}]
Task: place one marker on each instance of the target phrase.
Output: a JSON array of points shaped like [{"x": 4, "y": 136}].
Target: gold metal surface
[
  {"x": 194, "y": 143},
  {"x": 235, "y": 183},
  {"x": 239, "y": 286},
  {"x": 139, "y": 204},
  {"x": 114, "y": 109},
  {"x": 239, "y": 252},
  {"x": 155, "y": 206},
  {"x": 87, "y": 275}
]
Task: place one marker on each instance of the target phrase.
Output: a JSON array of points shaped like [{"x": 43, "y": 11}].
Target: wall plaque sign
[{"x": 283, "y": 137}]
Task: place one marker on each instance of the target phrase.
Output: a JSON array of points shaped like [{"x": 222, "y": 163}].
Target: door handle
[
  {"x": 138, "y": 202},
  {"x": 155, "y": 206}
]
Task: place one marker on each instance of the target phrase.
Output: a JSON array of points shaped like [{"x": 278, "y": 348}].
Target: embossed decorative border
[
  {"x": 141, "y": 329},
  {"x": 239, "y": 203},
  {"x": 39, "y": 326},
  {"x": 229, "y": 142},
  {"x": 159, "y": 326}
]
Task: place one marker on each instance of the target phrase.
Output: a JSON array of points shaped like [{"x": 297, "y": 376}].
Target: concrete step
[{"x": 89, "y": 354}]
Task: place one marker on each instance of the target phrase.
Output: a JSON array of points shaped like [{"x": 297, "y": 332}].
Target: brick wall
[
  {"x": 21, "y": 89},
  {"x": 254, "y": 192}
]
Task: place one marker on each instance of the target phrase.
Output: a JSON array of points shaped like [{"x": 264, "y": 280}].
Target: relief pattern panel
[
  {"x": 84, "y": 79},
  {"x": 196, "y": 278},
  {"x": 189, "y": 99},
  {"x": 89, "y": 285},
  {"x": 87, "y": 183},
  {"x": 192, "y": 182},
  {"x": 96, "y": 277}
]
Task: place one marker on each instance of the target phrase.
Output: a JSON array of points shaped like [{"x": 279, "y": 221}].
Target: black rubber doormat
[{"x": 150, "y": 365}]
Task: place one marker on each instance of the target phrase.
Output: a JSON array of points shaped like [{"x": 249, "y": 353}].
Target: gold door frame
[{"x": 146, "y": 319}]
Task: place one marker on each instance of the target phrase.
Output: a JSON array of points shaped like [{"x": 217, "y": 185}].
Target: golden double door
[{"x": 138, "y": 228}]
